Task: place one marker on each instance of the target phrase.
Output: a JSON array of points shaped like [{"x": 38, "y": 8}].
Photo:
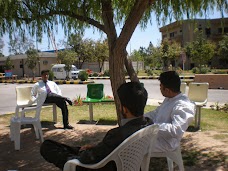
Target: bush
[
  {"x": 83, "y": 75},
  {"x": 195, "y": 70},
  {"x": 51, "y": 75},
  {"x": 106, "y": 73},
  {"x": 95, "y": 74},
  {"x": 149, "y": 72}
]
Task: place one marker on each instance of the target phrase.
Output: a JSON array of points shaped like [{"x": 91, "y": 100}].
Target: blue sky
[{"x": 139, "y": 37}]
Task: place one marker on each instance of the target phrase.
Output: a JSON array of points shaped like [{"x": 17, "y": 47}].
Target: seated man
[
  {"x": 174, "y": 115},
  {"x": 54, "y": 95},
  {"x": 133, "y": 99}
]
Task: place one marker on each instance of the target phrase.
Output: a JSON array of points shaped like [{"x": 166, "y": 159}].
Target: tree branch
[{"x": 132, "y": 21}]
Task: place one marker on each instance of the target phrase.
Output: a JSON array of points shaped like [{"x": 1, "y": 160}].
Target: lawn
[{"x": 194, "y": 153}]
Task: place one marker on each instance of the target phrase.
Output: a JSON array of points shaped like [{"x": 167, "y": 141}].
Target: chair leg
[
  {"x": 170, "y": 164},
  {"x": 54, "y": 113},
  {"x": 91, "y": 112},
  {"x": 12, "y": 128},
  {"x": 38, "y": 131},
  {"x": 17, "y": 135}
]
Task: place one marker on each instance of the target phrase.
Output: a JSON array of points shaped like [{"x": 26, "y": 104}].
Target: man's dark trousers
[{"x": 60, "y": 101}]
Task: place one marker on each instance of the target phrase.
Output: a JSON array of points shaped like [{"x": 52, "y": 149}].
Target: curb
[
  {"x": 183, "y": 78},
  {"x": 57, "y": 82}
]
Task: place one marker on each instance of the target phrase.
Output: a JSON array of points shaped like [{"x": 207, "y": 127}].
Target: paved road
[{"x": 8, "y": 95}]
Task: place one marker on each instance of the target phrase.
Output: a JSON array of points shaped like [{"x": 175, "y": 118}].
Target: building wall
[
  {"x": 47, "y": 60},
  {"x": 184, "y": 32}
]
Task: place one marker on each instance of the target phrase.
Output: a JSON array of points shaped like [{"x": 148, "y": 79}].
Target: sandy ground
[{"x": 208, "y": 153}]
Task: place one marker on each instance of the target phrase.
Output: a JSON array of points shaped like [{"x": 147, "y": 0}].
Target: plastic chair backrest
[
  {"x": 23, "y": 95},
  {"x": 95, "y": 91},
  {"x": 183, "y": 88},
  {"x": 130, "y": 155},
  {"x": 198, "y": 92}
]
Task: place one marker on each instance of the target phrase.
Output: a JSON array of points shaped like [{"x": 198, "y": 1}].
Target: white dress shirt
[
  {"x": 39, "y": 87},
  {"x": 173, "y": 117}
]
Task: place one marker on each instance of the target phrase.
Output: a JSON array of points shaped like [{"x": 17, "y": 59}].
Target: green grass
[{"x": 211, "y": 120}]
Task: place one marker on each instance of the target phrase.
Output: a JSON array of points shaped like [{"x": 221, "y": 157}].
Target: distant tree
[
  {"x": 101, "y": 52},
  {"x": 154, "y": 59},
  {"x": 201, "y": 50},
  {"x": 32, "y": 60},
  {"x": 170, "y": 53},
  {"x": 8, "y": 64},
  {"x": 223, "y": 49},
  {"x": 84, "y": 48},
  {"x": 1, "y": 48},
  {"x": 19, "y": 45},
  {"x": 68, "y": 58}
]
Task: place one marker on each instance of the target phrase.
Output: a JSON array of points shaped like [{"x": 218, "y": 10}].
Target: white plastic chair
[
  {"x": 17, "y": 121},
  {"x": 183, "y": 87},
  {"x": 198, "y": 93},
  {"x": 23, "y": 98},
  {"x": 172, "y": 156},
  {"x": 130, "y": 155}
]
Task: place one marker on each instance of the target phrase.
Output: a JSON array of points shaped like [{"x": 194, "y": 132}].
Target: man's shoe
[
  {"x": 69, "y": 101},
  {"x": 68, "y": 127}
]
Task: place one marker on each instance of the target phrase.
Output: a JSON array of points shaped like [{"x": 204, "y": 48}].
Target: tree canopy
[
  {"x": 38, "y": 16},
  {"x": 32, "y": 60}
]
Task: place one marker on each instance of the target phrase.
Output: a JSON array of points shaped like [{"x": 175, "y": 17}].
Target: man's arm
[
  {"x": 57, "y": 89},
  {"x": 151, "y": 115},
  {"x": 34, "y": 92},
  {"x": 182, "y": 115}
]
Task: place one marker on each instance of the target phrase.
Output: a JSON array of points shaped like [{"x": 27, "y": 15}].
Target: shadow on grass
[
  {"x": 203, "y": 158},
  {"x": 29, "y": 157},
  {"x": 99, "y": 122}
]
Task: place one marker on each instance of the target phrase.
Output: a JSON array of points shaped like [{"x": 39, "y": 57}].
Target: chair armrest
[{"x": 70, "y": 165}]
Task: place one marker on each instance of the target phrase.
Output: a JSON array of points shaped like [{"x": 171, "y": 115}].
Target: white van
[{"x": 60, "y": 72}]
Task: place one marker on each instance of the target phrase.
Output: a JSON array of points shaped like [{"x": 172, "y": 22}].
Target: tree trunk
[
  {"x": 130, "y": 69},
  {"x": 117, "y": 76}
]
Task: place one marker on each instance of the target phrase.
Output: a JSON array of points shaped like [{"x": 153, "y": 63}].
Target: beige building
[
  {"x": 46, "y": 60},
  {"x": 184, "y": 32}
]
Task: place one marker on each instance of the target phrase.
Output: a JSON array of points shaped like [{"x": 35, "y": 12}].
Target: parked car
[{"x": 60, "y": 72}]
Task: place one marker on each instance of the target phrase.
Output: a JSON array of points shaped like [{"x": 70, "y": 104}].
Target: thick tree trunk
[{"x": 117, "y": 77}]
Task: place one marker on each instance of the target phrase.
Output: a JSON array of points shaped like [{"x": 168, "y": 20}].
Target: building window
[
  {"x": 171, "y": 34},
  {"x": 180, "y": 31},
  {"x": 225, "y": 30},
  {"x": 208, "y": 32},
  {"x": 164, "y": 36},
  {"x": 45, "y": 62}
]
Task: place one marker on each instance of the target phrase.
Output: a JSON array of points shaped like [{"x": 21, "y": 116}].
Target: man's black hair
[
  {"x": 170, "y": 80},
  {"x": 133, "y": 96},
  {"x": 44, "y": 71}
]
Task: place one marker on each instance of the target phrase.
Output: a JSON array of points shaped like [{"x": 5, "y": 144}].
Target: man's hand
[{"x": 85, "y": 147}]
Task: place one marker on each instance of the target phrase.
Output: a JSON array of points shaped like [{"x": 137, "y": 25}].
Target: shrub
[
  {"x": 82, "y": 75},
  {"x": 149, "y": 72},
  {"x": 95, "y": 74},
  {"x": 51, "y": 75},
  {"x": 195, "y": 70},
  {"x": 106, "y": 73}
]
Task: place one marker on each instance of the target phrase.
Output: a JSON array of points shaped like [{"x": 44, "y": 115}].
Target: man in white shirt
[
  {"x": 174, "y": 115},
  {"x": 54, "y": 95}
]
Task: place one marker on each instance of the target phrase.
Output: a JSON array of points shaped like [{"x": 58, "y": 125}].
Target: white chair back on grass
[
  {"x": 131, "y": 155},
  {"x": 183, "y": 87},
  {"x": 198, "y": 93},
  {"x": 23, "y": 99},
  {"x": 18, "y": 120}
]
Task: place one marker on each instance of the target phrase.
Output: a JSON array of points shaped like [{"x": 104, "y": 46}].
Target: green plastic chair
[{"x": 95, "y": 93}]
